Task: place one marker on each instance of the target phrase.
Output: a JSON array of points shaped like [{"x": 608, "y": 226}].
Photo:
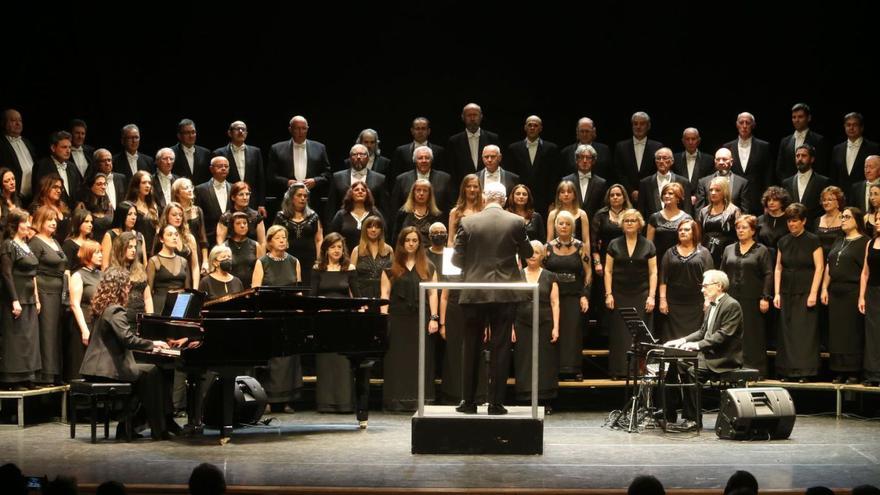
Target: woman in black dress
[
  {"x": 140, "y": 193},
  {"x": 840, "y": 291},
  {"x": 303, "y": 227},
  {"x": 81, "y": 226},
  {"x": 568, "y": 258},
  {"x": 566, "y": 200},
  {"x": 277, "y": 268},
  {"x": 371, "y": 257},
  {"x": 419, "y": 211},
  {"x": 245, "y": 251},
  {"x": 681, "y": 273},
  {"x": 240, "y": 194},
  {"x": 334, "y": 276},
  {"x": 95, "y": 200},
  {"x": 773, "y": 224},
  {"x": 869, "y": 294},
  {"x": 182, "y": 192},
  {"x": 51, "y": 275},
  {"x": 873, "y": 207},
  {"x": 749, "y": 267},
  {"x": 49, "y": 195},
  {"x": 219, "y": 281},
  {"x": 9, "y": 198},
  {"x": 125, "y": 254},
  {"x": 124, "y": 220},
  {"x": 548, "y": 333},
  {"x": 630, "y": 281},
  {"x": 798, "y": 276},
  {"x": 828, "y": 226},
  {"x": 717, "y": 219},
  {"x": 19, "y": 305},
  {"x": 663, "y": 225},
  {"x": 470, "y": 201},
  {"x": 82, "y": 288},
  {"x": 357, "y": 205},
  {"x": 400, "y": 285},
  {"x": 167, "y": 270},
  {"x": 520, "y": 201},
  {"x": 188, "y": 247}
]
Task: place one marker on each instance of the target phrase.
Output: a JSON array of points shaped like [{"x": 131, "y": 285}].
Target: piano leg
[
  {"x": 361, "y": 370},
  {"x": 194, "y": 402},
  {"x": 227, "y": 400}
]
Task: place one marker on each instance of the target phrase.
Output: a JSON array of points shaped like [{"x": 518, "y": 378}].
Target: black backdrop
[{"x": 350, "y": 67}]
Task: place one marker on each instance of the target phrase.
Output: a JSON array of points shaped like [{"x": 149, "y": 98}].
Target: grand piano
[{"x": 246, "y": 329}]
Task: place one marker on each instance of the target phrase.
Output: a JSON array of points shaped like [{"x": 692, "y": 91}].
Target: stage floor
[{"x": 311, "y": 449}]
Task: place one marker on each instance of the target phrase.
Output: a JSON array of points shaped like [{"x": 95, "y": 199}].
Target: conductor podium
[{"x": 441, "y": 430}]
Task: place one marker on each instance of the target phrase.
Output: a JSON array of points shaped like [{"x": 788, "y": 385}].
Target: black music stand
[{"x": 638, "y": 395}]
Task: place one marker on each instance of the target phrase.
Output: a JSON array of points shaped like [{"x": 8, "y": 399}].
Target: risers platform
[{"x": 443, "y": 431}]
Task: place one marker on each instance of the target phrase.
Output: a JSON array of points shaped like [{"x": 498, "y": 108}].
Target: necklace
[
  {"x": 846, "y": 243},
  {"x": 561, "y": 244}
]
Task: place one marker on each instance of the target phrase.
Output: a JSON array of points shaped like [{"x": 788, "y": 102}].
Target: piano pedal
[
  {"x": 362, "y": 425},
  {"x": 224, "y": 441}
]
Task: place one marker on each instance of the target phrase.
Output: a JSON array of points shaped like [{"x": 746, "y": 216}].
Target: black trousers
[
  {"x": 680, "y": 372},
  {"x": 153, "y": 395},
  {"x": 499, "y": 318}
]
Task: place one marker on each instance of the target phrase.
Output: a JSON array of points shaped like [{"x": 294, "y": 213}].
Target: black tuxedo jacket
[
  {"x": 207, "y": 200},
  {"x": 158, "y": 197},
  {"x": 785, "y": 165},
  {"x": 201, "y": 161},
  {"x": 458, "y": 154},
  {"x": 402, "y": 159},
  {"x": 441, "y": 182},
  {"x": 812, "y": 199},
  {"x": 120, "y": 185},
  {"x": 601, "y": 166},
  {"x": 340, "y": 183},
  {"x": 486, "y": 246},
  {"x": 625, "y": 165},
  {"x": 8, "y": 158},
  {"x": 649, "y": 195},
  {"x": 46, "y": 166},
  {"x": 705, "y": 165},
  {"x": 280, "y": 169},
  {"x": 595, "y": 198},
  {"x": 380, "y": 164},
  {"x": 88, "y": 151},
  {"x": 144, "y": 162},
  {"x": 508, "y": 179},
  {"x": 759, "y": 171},
  {"x": 254, "y": 172},
  {"x": 837, "y": 170},
  {"x": 542, "y": 176},
  {"x": 721, "y": 345},
  {"x": 740, "y": 192}
]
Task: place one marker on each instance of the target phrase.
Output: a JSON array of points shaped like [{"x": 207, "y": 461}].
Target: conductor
[{"x": 486, "y": 246}]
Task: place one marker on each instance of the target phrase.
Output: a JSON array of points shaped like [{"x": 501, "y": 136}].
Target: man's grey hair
[
  {"x": 129, "y": 127},
  {"x": 716, "y": 277},
  {"x": 584, "y": 149},
  {"x": 640, "y": 115},
  {"x": 420, "y": 148},
  {"x": 163, "y": 151},
  {"x": 375, "y": 134},
  {"x": 495, "y": 192}
]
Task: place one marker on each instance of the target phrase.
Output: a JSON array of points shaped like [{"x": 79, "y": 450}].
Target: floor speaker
[
  {"x": 250, "y": 402},
  {"x": 755, "y": 414}
]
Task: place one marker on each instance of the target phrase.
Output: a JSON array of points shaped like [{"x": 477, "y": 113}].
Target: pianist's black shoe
[
  {"x": 466, "y": 408},
  {"x": 497, "y": 410},
  {"x": 172, "y": 426}
]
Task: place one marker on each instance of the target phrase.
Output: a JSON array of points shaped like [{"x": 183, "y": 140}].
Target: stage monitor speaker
[
  {"x": 755, "y": 414},
  {"x": 250, "y": 402}
]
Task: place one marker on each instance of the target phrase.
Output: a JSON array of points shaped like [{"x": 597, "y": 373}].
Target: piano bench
[
  {"x": 103, "y": 393},
  {"x": 737, "y": 378}
]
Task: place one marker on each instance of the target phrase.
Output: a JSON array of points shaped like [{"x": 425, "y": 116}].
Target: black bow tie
[{"x": 713, "y": 303}]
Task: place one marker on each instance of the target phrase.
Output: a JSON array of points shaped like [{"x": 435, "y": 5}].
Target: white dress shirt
[
  {"x": 491, "y": 177},
  {"x": 132, "y": 162},
  {"x": 111, "y": 191},
  {"x": 165, "y": 185},
  {"x": 78, "y": 157},
  {"x": 799, "y": 138},
  {"x": 190, "y": 153},
  {"x": 662, "y": 180},
  {"x": 358, "y": 176},
  {"x": 691, "y": 160},
  {"x": 802, "y": 180},
  {"x": 852, "y": 149},
  {"x": 639, "y": 148},
  {"x": 238, "y": 156},
  {"x": 713, "y": 311},
  {"x": 300, "y": 161},
  {"x": 745, "y": 149},
  {"x": 584, "y": 179},
  {"x": 26, "y": 161},
  {"x": 61, "y": 167},
  {"x": 420, "y": 175},
  {"x": 533, "y": 149},
  {"x": 222, "y": 194},
  {"x": 370, "y": 161},
  {"x": 474, "y": 143}
]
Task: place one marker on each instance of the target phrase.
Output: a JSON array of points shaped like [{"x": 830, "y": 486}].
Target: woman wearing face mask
[
  {"x": 52, "y": 274},
  {"x": 798, "y": 276},
  {"x": 82, "y": 288},
  {"x": 219, "y": 280},
  {"x": 749, "y": 267},
  {"x": 840, "y": 291}
]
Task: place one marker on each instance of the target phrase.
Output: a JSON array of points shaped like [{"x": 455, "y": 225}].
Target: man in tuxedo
[
  {"x": 357, "y": 172},
  {"x": 848, "y": 158},
  {"x": 718, "y": 343},
  {"x": 465, "y": 148},
  {"x": 693, "y": 164},
  {"x": 117, "y": 185},
  {"x": 245, "y": 164},
  {"x": 376, "y": 162},
  {"x": 740, "y": 193},
  {"x": 402, "y": 161},
  {"x": 17, "y": 153},
  {"x": 299, "y": 160},
  {"x": 80, "y": 153},
  {"x": 586, "y": 134},
  {"x": 751, "y": 160},
  {"x": 129, "y": 160},
  {"x": 632, "y": 157},
  {"x": 163, "y": 178},
  {"x": 492, "y": 171},
  {"x": 806, "y": 185},
  {"x": 536, "y": 161},
  {"x": 440, "y": 181},
  {"x": 589, "y": 187},
  {"x": 785, "y": 159},
  {"x": 190, "y": 160},
  {"x": 58, "y": 161},
  {"x": 650, "y": 187},
  {"x": 860, "y": 191},
  {"x": 486, "y": 246},
  {"x": 213, "y": 196}
]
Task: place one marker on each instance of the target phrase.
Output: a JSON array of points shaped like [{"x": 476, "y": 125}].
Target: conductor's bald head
[{"x": 495, "y": 192}]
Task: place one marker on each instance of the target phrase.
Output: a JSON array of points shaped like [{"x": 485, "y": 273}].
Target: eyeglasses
[{"x": 709, "y": 284}]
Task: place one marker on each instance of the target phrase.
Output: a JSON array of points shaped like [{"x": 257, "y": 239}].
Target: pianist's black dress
[{"x": 335, "y": 390}]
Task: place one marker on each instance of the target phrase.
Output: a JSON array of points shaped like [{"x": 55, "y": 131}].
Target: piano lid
[{"x": 286, "y": 299}]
